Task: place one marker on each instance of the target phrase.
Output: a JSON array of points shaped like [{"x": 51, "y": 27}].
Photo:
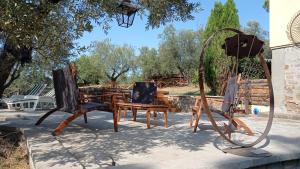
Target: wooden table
[{"x": 137, "y": 106}]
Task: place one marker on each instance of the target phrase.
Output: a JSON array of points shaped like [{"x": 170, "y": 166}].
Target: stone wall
[
  {"x": 286, "y": 81},
  {"x": 186, "y": 103},
  {"x": 179, "y": 103},
  {"x": 292, "y": 80},
  {"x": 182, "y": 103}
]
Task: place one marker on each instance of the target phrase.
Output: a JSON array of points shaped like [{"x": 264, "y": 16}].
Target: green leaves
[
  {"x": 89, "y": 70},
  {"x": 162, "y": 12},
  {"x": 266, "y": 5},
  {"x": 107, "y": 62},
  {"x": 177, "y": 54},
  {"x": 150, "y": 63},
  {"x": 51, "y": 27},
  {"x": 222, "y": 16}
]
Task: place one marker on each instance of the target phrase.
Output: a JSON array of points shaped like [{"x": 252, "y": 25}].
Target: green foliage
[
  {"x": 150, "y": 63},
  {"x": 178, "y": 52},
  {"x": 117, "y": 60},
  {"x": 253, "y": 65},
  {"x": 162, "y": 12},
  {"x": 46, "y": 30},
  {"x": 107, "y": 63},
  {"x": 251, "y": 68},
  {"x": 222, "y": 16},
  {"x": 230, "y": 16},
  {"x": 89, "y": 70},
  {"x": 266, "y": 5},
  {"x": 30, "y": 75},
  {"x": 254, "y": 28},
  {"x": 47, "y": 25}
]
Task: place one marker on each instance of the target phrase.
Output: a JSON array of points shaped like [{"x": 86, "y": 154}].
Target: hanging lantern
[{"x": 126, "y": 13}]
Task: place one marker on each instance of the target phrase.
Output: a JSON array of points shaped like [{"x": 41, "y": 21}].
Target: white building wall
[
  {"x": 281, "y": 12},
  {"x": 285, "y": 59}
]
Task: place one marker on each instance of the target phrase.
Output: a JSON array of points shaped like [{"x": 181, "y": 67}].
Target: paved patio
[{"x": 94, "y": 145}]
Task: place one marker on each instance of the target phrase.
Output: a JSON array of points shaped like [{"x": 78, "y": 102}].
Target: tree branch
[
  {"x": 122, "y": 72},
  {"x": 14, "y": 75},
  {"x": 107, "y": 75}
]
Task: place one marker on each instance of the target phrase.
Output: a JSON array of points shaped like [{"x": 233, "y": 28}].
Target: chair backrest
[
  {"x": 144, "y": 92},
  {"x": 50, "y": 93},
  {"x": 37, "y": 89},
  {"x": 230, "y": 93},
  {"x": 66, "y": 89}
]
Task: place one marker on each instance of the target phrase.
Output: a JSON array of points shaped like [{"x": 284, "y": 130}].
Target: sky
[{"x": 137, "y": 36}]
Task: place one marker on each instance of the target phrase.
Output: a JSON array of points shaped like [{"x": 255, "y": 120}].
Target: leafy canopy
[
  {"x": 108, "y": 62},
  {"x": 44, "y": 31}
]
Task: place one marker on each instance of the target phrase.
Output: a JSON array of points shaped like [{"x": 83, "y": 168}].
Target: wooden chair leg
[
  {"x": 85, "y": 117},
  {"x": 227, "y": 130},
  {"x": 240, "y": 124},
  {"x": 66, "y": 122},
  {"x": 134, "y": 111},
  {"x": 125, "y": 113},
  {"x": 196, "y": 123},
  {"x": 154, "y": 114},
  {"x": 115, "y": 117},
  {"x": 119, "y": 114},
  {"x": 192, "y": 119},
  {"x": 166, "y": 118},
  {"x": 148, "y": 114},
  {"x": 198, "y": 116},
  {"x": 41, "y": 119}
]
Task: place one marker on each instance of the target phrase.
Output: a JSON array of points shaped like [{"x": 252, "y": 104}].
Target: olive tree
[{"x": 46, "y": 30}]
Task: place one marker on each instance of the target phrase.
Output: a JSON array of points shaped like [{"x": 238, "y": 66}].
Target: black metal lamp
[{"x": 125, "y": 13}]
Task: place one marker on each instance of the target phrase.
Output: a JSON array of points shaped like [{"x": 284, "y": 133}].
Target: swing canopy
[{"x": 242, "y": 45}]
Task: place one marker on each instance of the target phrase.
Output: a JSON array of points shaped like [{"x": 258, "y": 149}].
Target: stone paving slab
[{"x": 94, "y": 145}]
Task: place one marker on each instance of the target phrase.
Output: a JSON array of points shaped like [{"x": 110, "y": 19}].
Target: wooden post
[
  {"x": 198, "y": 116},
  {"x": 148, "y": 114},
  {"x": 115, "y": 117}
]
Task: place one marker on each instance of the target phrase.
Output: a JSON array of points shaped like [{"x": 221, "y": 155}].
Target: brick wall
[
  {"x": 292, "y": 83},
  {"x": 286, "y": 82}
]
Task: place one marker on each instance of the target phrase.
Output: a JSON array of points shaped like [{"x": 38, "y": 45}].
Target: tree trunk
[
  {"x": 113, "y": 83},
  {"x": 11, "y": 57},
  {"x": 7, "y": 64}
]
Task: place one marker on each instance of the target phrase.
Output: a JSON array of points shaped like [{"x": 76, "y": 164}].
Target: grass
[
  {"x": 13, "y": 152},
  {"x": 17, "y": 159},
  {"x": 185, "y": 91}
]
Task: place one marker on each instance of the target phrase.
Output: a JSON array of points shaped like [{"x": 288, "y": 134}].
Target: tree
[
  {"x": 168, "y": 51},
  {"x": 45, "y": 30},
  {"x": 252, "y": 64},
  {"x": 266, "y": 5},
  {"x": 89, "y": 70},
  {"x": 116, "y": 60},
  {"x": 29, "y": 75},
  {"x": 254, "y": 28},
  {"x": 149, "y": 62},
  {"x": 222, "y": 16},
  {"x": 178, "y": 51}
]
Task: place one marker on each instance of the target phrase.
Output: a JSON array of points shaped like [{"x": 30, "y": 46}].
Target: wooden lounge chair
[
  {"x": 228, "y": 105},
  {"x": 68, "y": 98},
  {"x": 17, "y": 102}
]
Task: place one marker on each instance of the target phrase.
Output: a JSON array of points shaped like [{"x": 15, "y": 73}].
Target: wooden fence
[{"x": 257, "y": 91}]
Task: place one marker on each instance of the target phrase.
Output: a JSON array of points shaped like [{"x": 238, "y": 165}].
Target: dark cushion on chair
[{"x": 90, "y": 106}]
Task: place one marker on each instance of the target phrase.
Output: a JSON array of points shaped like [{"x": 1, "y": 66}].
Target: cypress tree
[
  {"x": 222, "y": 16},
  {"x": 230, "y": 15}
]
